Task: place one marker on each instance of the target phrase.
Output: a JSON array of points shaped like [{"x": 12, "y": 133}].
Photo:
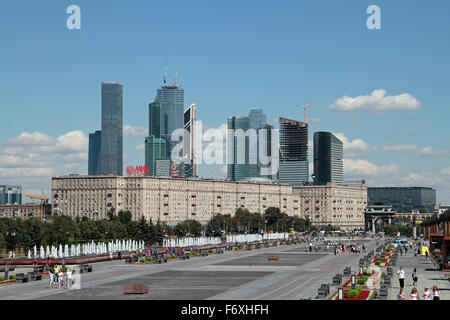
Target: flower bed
[{"x": 362, "y": 295}]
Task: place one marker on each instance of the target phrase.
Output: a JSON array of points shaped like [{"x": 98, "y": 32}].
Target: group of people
[
  {"x": 414, "y": 295},
  {"x": 59, "y": 279},
  {"x": 426, "y": 295}
]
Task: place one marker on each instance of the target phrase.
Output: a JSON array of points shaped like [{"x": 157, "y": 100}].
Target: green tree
[
  {"x": 390, "y": 230},
  {"x": 191, "y": 227},
  {"x": 125, "y": 216}
]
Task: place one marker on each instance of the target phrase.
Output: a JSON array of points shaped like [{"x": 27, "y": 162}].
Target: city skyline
[{"x": 393, "y": 134}]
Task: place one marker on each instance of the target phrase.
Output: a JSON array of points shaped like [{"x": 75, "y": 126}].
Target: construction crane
[
  {"x": 43, "y": 199},
  {"x": 308, "y": 106}
]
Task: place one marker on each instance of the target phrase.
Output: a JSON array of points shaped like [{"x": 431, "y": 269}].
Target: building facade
[
  {"x": 175, "y": 200},
  {"x": 95, "y": 148},
  {"x": 25, "y": 211},
  {"x": 238, "y": 148},
  {"x": 341, "y": 206},
  {"x": 171, "y": 101},
  {"x": 404, "y": 199},
  {"x": 328, "y": 158},
  {"x": 111, "y": 157},
  {"x": 155, "y": 148},
  {"x": 294, "y": 168},
  {"x": 10, "y": 194}
]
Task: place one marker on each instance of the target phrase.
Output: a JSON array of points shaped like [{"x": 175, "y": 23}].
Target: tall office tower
[
  {"x": 265, "y": 150},
  {"x": 154, "y": 121},
  {"x": 293, "y": 167},
  {"x": 189, "y": 163},
  {"x": 328, "y": 158},
  {"x": 256, "y": 118},
  {"x": 111, "y": 158},
  {"x": 171, "y": 100},
  {"x": 155, "y": 149},
  {"x": 10, "y": 194},
  {"x": 95, "y": 148},
  {"x": 238, "y": 145}
]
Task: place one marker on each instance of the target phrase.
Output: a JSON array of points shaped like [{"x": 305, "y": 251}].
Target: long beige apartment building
[{"x": 173, "y": 200}]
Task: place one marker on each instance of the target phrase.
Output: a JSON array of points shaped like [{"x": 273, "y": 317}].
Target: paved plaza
[
  {"x": 428, "y": 276},
  {"x": 243, "y": 275}
]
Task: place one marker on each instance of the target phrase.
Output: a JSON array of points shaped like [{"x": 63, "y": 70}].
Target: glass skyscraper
[
  {"x": 95, "y": 147},
  {"x": 293, "y": 167},
  {"x": 112, "y": 129},
  {"x": 171, "y": 100},
  {"x": 238, "y": 167},
  {"x": 155, "y": 149},
  {"x": 256, "y": 118},
  {"x": 328, "y": 158},
  {"x": 10, "y": 194},
  {"x": 154, "y": 121}
]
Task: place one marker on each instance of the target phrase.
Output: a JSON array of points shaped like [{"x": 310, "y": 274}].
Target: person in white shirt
[
  {"x": 426, "y": 294},
  {"x": 401, "y": 277}
]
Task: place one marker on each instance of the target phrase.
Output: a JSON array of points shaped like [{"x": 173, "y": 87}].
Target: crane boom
[{"x": 308, "y": 106}]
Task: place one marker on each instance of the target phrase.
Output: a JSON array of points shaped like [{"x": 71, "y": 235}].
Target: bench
[
  {"x": 324, "y": 290},
  {"x": 273, "y": 258},
  {"x": 34, "y": 276},
  {"x": 219, "y": 251},
  {"x": 20, "y": 278},
  {"x": 203, "y": 253},
  {"x": 347, "y": 271},
  {"x": 337, "y": 279}
]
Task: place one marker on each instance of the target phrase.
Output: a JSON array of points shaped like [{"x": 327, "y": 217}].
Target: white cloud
[
  {"x": 25, "y": 172},
  {"x": 355, "y": 167},
  {"x": 412, "y": 148},
  {"x": 223, "y": 171},
  {"x": 31, "y": 139},
  {"x": 376, "y": 102},
  {"x": 445, "y": 171},
  {"x": 353, "y": 145},
  {"x": 131, "y": 131}
]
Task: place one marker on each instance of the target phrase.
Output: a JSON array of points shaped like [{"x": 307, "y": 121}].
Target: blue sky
[{"x": 231, "y": 55}]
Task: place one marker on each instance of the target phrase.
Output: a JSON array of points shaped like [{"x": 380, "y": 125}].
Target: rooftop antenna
[
  {"x": 165, "y": 75},
  {"x": 176, "y": 78}
]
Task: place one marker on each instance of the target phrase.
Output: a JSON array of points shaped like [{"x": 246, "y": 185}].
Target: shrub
[
  {"x": 353, "y": 293},
  {"x": 210, "y": 251},
  {"x": 150, "y": 259},
  {"x": 377, "y": 263},
  {"x": 11, "y": 277},
  {"x": 2, "y": 278}
]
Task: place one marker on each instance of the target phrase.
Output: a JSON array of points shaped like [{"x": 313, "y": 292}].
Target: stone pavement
[{"x": 428, "y": 276}]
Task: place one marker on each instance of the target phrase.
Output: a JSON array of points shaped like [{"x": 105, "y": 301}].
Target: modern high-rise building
[
  {"x": 190, "y": 117},
  {"x": 95, "y": 148},
  {"x": 256, "y": 118},
  {"x": 328, "y": 158},
  {"x": 403, "y": 199},
  {"x": 171, "y": 101},
  {"x": 154, "y": 121},
  {"x": 10, "y": 194},
  {"x": 265, "y": 147},
  {"x": 238, "y": 148},
  {"x": 111, "y": 158},
  {"x": 293, "y": 167},
  {"x": 155, "y": 148}
]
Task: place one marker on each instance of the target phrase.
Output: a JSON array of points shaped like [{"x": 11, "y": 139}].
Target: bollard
[
  {"x": 64, "y": 262},
  {"x": 6, "y": 271}
]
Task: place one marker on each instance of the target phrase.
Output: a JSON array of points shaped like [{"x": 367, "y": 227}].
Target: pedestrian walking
[
  {"x": 310, "y": 247},
  {"x": 68, "y": 279},
  {"x": 414, "y": 277},
  {"x": 401, "y": 295},
  {"x": 426, "y": 254},
  {"x": 436, "y": 293},
  {"x": 401, "y": 277},
  {"x": 335, "y": 250},
  {"x": 414, "y": 295},
  {"x": 426, "y": 294},
  {"x": 50, "y": 278},
  {"x": 60, "y": 278}
]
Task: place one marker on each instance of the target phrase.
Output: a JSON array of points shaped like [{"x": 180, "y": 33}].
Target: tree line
[{"x": 17, "y": 233}]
